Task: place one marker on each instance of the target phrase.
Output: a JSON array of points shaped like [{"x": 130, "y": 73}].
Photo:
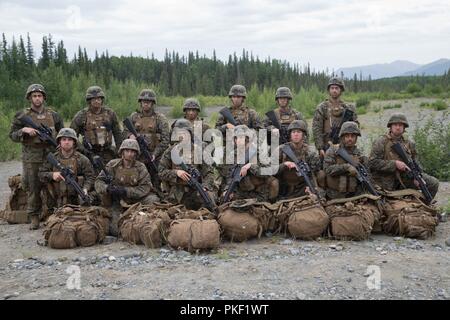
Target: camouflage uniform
[
  {"x": 98, "y": 128},
  {"x": 382, "y": 162},
  {"x": 243, "y": 115},
  {"x": 328, "y": 114},
  {"x": 179, "y": 191},
  {"x": 153, "y": 126},
  {"x": 135, "y": 183},
  {"x": 33, "y": 150},
  {"x": 284, "y": 115},
  {"x": 296, "y": 185},
  {"x": 341, "y": 176},
  {"x": 61, "y": 192}
]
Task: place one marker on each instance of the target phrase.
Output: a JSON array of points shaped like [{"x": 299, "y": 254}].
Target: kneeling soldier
[
  {"x": 341, "y": 176},
  {"x": 389, "y": 170},
  {"x": 68, "y": 157},
  {"x": 125, "y": 179}
]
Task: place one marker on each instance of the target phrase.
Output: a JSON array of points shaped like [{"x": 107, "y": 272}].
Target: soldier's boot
[{"x": 34, "y": 222}]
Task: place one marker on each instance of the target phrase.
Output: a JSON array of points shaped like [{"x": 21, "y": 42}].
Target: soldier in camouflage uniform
[
  {"x": 388, "y": 170},
  {"x": 97, "y": 124},
  {"x": 329, "y": 114},
  {"x": 241, "y": 113},
  {"x": 34, "y": 151},
  {"x": 191, "y": 109},
  {"x": 69, "y": 157},
  {"x": 177, "y": 179},
  {"x": 291, "y": 185},
  {"x": 130, "y": 182},
  {"x": 341, "y": 176},
  {"x": 254, "y": 184},
  {"x": 152, "y": 125},
  {"x": 284, "y": 112}
]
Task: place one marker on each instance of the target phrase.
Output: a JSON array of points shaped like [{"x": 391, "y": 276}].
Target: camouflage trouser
[
  {"x": 334, "y": 194},
  {"x": 193, "y": 201},
  {"x": 267, "y": 192},
  {"x": 432, "y": 184},
  {"x": 32, "y": 185}
]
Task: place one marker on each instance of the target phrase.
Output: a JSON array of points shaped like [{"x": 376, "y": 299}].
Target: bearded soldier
[
  {"x": 291, "y": 184},
  {"x": 255, "y": 183},
  {"x": 329, "y": 116},
  {"x": 341, "y": 176},
  {"x": 242, "y": 114},
  {"x": 180, "y": 192},
  {"x": 79, "y": 164},
  {"x": 97, "y": 124},
  {"x": 284, "y": 113},
  {"x": 34, "y": 149},
  {"x": 125, "y": 180},
  {"x": 388, "y": 170}
]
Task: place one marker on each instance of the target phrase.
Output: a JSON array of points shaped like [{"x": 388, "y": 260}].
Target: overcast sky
[{"x": 332, "y": 34}]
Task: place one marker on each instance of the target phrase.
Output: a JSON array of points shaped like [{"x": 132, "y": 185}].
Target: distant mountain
[
  {"x": 377, "y": 71},
  {"x": 397, "y": 69},
  {"x": 436, "y": 68}
]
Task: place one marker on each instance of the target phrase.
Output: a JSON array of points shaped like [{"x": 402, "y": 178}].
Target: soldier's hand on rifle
[
  {"x": 244, "y": 169},
  {"x": 401, "y": 166},
  {"x": 290, "y": 165},
  {"x": 351, "y": 170},
  {"x": 322, "y": 153},
  {"x": 230, "y": 197},
  {"x": 229, "y": 126},
  {"x": 132, "y": 136},
  {"x": 416, "y": 183},
  {"x": 30, "y": 131},
  {"x": 183, "y": 175},
  {"x": 57, "y": 176}
]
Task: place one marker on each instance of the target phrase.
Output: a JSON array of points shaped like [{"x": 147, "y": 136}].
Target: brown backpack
[
  {"x": 15, "y": 211},
  {"x": 72, "y": 226},
  {"x": 406, "y": 215},
  {"x": 304, "y": 217},
  {"x": 353, "y": 218},
  {"x": 194, "y": 234}
]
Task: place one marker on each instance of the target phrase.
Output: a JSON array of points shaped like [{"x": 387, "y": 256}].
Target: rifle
[
  {"x": 69, "y": 178},
  {"x": 44, "y": 132},
  {"x": 143, "y": 145},
  {"x": 89, "y": 152},
  {"x": 416, "y": 172},
  {"x": 334, "y": 134},
  {"x": 284, "y": 137},
  {"x": 98, "y": 163},
  {"x": 362, "y": 174},
  {"x": 236, "y": 176},
  {"x": 303, "y": 169},
  {"x": 226, "y": 113},
  {"x": 195, "y": 184}
]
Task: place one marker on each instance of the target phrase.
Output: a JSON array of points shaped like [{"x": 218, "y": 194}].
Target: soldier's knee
[{"x": 433, "y": 184}]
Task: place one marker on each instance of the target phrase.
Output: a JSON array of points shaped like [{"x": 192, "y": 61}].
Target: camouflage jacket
[
  {"x": 242, "y": 115},
  {"x": 79, "y": 125},
  {"x": 33, "y": 153},
  {"x": 382, "y": 160},
  {"x": 319, "y": 125},
  {"x": 83, "y": 168},
  {"x": 290, "y": 115},
  {"x": 157, "y": 142},
  {"x": 167, "y": 173},
  {"x": 136, "y": 180}
]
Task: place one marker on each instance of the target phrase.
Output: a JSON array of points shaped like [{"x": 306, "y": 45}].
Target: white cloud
[{"x": 334, "y": 34}]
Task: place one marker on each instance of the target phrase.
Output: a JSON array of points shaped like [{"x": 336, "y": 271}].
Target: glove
[
  {"x": 352, "y": 171},
  {"x": 116, "y": 191}
]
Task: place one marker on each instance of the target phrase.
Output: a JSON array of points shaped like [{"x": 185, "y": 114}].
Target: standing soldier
[
  {"x": 341, "y": 176},
  {"x": 330, "y": 115},
  {"x": 70, "y": 158},
  {"x": 153, "y": 126},
  {"x": 291, "y": 184},
  {"x": 34, "y": 149},
  {"x": 180, "y": 192},
  {"x": 124, "y": 179},
  {"x": 284, "y": 113},
  {"x": 254, "y": 183},
  {"x": 242, "y": 114},
  {"x": 388, "y": 170},
  {"x": 191, "y": 109},
  {"x": 97, "y": 124}
]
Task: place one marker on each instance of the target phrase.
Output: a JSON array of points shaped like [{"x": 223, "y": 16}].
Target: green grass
[{"x": 392, "y": 106}]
